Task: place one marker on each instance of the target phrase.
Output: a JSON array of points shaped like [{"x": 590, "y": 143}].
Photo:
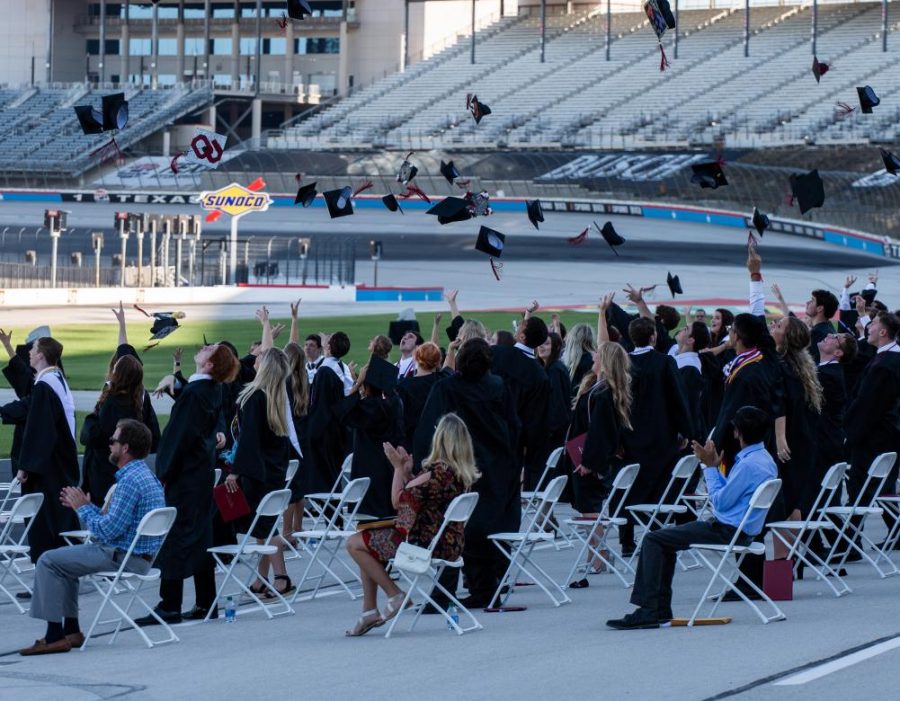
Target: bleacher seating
[
  {"x": 576, "y": 97},
  {"x": 39, "y": 130}
]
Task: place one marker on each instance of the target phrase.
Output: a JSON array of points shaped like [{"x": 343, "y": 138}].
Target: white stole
[
  {"x": 53, "y": 378},
  {"x": 292, "y": 430}
]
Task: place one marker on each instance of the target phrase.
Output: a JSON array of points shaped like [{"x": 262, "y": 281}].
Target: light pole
[
  {"x": 55, "y": 221},
  {"x": 375, "y": 252},
  {"x": 97, "y": 243},
  {"x": 304, "y": 254}
]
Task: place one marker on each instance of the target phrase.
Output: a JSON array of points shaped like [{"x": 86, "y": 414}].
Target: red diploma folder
[
  {"x": 231, "y": 505},
  {"x": 574, "y": 449}
]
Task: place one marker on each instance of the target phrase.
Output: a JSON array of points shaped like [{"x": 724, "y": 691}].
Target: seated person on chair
[
  {"x": 729, "y": 497},
  {"x": 421, "y": 502},
  {"x": 57, "y": 572}
]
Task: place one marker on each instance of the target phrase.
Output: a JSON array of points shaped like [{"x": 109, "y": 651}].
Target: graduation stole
[
  {"x": 53, "y": 378},
  {"x": 742, "y": 361}
]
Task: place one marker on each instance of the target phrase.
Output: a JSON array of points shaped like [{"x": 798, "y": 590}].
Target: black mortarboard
[
  {"x": 808, "y": 190},
  {"x": 819, "y": 68},
  {"x": 891, "y": 162},
  {"x": 162, "y": 327},
  {"x": 306, "y": 194},
  {"x": 339, "y": 202},
  {"x": 115, "y": 111},
  {"x": 449, "y": 171},
  {"x": 298, "y": 9},
  {"x": 867, "y": 99},
  {"x": 476, "y": 107},
  {"x": 535, "y": 212},
  {"x": 397, "y": 329},
  {"x": 390, "y": 201},
  {"x": 708, "y": 175},
  {"x": 490, "y": 242},
  {"x": 479, "y": 203},
  {"x": 407, "y": 171},
  {"x": 91, "y": 120},
  {"x": 610, "y": 235},
  {"x": 451, "y": 209},
  {"x": 674, "y": 285},
  {"x": 760, "y": 221},
  {"x": 381, "y": 374}
]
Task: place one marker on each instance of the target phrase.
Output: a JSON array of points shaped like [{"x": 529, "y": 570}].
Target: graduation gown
[
  {"x": 98, "y": 474},
  {"x": 659, "y": 413},
  {"x": 413, "y": 393},
  {"x": 20, "y": 376},
  {"x": 816, "y": 334},
  {"x": 184, "y": 464},
  {"x": 301, "y": 429},
  {"x": 585, "y": 363},
  {"x": 559, "y": 405},
  {"x": 797, "y": 474},
  {"x": 376, "y": 420},
  {"x": 261, "y": 456},
  {"x": 530, "y": 389},
  {"x": 328, "y": 444},
  {"x": 829, "y": 429},
  {"x": 50, "y": 458},
  {"x": 595, "y": 415}
]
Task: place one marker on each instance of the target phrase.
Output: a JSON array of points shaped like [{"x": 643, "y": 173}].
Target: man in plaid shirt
[{"x": 57, "y": 572}]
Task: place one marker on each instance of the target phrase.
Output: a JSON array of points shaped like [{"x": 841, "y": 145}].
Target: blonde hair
[
  {"x": 296, "y": 358},
  {"x": 270, "y": 380},
  {"x": 615, "y": 371},
  {"x": 579, "y": 340},
  {"x": 471, "y": 328},
  {"x": 795, "y": 352},
  {"x": 452, "y": 446}
]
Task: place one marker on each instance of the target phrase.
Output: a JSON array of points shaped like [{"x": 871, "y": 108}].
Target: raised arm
[
  {"x": 6, "y": 340},
  {"x": 757, "y": 299},
  {"x": 602, "y": 328},
  {"x": 782, "y": 305},
  {"x": 120, "y": 318},
  {"x": 295, "y": 326},
  {"x": 263, "y": 315},
  {"x": 435, "y": 328},
  {"x": 635, "y": 295},
  {"x": 450, "y": 296}
]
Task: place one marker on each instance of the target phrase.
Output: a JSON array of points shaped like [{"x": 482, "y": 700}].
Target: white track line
[{"x": 827, "y": 668}]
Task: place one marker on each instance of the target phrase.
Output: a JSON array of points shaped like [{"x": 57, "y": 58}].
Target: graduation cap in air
[
  {"x": 819, "y": 68},
  {"x": 451, "y": 209},
  {"x": 381, "y": 374},
  {"x": 390, "y": 201},
  {"x": 891, "y": 162},
  {"x": 449, "y": 171},
  {"x": 35, "y": 334},
  {"x": 306, "y": 194},
  {"x": 206, "y": 151},
  {"x": 164, "y": 323},
  {"x": 659, "y": 13},
  {"x": 610, "y": 235},
  {"x": 298, "y": 9},
  {"x": 339, "y": 202},
  {"x": 476, "y": 107},
  {"x": 407, "y": 171},
  {"x": 708, "y": 175},
  {"x": 867, "y": 99},
  {"x": 535, "y": 212},
  {"x": 808, "y": 190},
  {"x": 674, "y": 285},
  {"x": 113, "y": 115},
  {"x": 479, "y": 203},
  {"x": 490, "y": 242},
  {"x": 760, "y": 221}
]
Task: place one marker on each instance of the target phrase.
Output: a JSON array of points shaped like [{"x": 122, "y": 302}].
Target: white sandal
[
  {"x": 392, "y": 608},
  {"x": 364, "y": 623}
]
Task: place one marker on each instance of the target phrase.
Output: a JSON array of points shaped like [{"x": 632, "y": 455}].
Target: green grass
[
  {"x": 6, "y": 432},
  {"x": 88, "y": 348}
]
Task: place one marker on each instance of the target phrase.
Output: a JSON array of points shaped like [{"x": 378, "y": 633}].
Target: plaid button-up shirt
[{"x": 137, "y": 493}]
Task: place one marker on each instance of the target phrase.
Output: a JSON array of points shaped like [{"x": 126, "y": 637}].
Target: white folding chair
[
  {"x": 83, "y": 535},
  {"x": 458, "y": 511},
  {"x": 853, "y": 519},
  {"x": 316, "y": 504},
  {"x": 797, "y": 535},
  {"x": 518, "y": 549},
  {"x": 323, "y": 544},
  {"x": 531, "y": 499},
  {"x": 23, "y": 511},
  {"x": 246, "y": 553},
  {"x": 661, "y": 514},
  {"x": 217, "y": 475},
  {"x": 590, "y": 529},
  {"x": 891, "y": 505},
  {"x": 155, "y": 524},
  {"x": 10, "y": 489},
  {"x": 761, "y": 500},
  {"x": 290, "y": 473}
]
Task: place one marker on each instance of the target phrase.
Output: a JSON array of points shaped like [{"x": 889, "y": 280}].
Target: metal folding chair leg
[{"x": 730, "y": 585}]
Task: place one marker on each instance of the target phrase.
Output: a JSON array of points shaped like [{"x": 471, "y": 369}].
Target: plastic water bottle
[
  {"x": 229, "y": 610},
  {"x": 454, "y": 615}
]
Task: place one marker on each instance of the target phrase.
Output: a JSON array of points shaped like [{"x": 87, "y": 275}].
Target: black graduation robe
[
  {"x": 659, "y": 413},
  {"x": 797, "y": 473},
  {"x": 559, "y": 407},
  {"x": 585, "y": 363},
  {"x": 20, "y": 376},
  {"x": 413, "y": 393},
  {"x": 98, "y": 474},
  {"x": 830, "y": 435},
  {"x": 50, "y": 458},
  {"x": 261, "y": 456},
  {"x": 302, "y": 430},
  {"x": 376, "y": 420},
  {"x": 816, "y": 334},
  {"x": 328, "y": 443},
  {"x": 184, "y": 464},
  {"x": 530, "y": 389},
  {"x": 595, "y": 415}
]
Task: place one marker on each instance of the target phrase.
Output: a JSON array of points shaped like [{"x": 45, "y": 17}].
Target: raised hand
[
  {"x": 707, "y": 454},
  {"x": 635, "y": 295},
  {"x": 873, "y": 278},
  {"x": 754, "y": 260},
  {"x": 533, "y": 307},
  {"x": 848, "y": 283},
  {"x": 776, "y": 290},
  {"x": 277, "y": 329},
  {"x": 450, "y": 296},
  {"x": 398, "y": 457},
  {"x": 262, "y": 314},
  {"x": 606, "y": 301},
  {"x": 295, "y": 309},
  {"x": 119, "y": 313}
]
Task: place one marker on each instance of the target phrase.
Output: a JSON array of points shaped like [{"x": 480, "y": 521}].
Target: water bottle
[
  {"x": 229, "y": 610},
  {"x": 453, "y": 612}
]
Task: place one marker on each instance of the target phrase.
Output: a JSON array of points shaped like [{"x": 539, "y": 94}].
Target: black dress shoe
[
  {"x": 23, "y": 595},
  {"x": 733, "y": 595},
  {"x": 198, "y": 614},
  {"x": 636, "y": 620},
  {"x": 664, "y": 616},
  {"x": 169, "y": 617},
  {"x": 475, "y": 602}
]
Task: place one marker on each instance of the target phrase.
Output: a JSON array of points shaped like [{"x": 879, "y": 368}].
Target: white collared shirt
[
  {"x": 641, "y": 350},
  {"x": 341, "y": 370},
  {"x": 889, "y": 348},
  {"x": 525, "y": 349},
  {"x": 404, "y": 365},
  {"x": 199, "y": 376},
  {"x": 688, "y": 359}
]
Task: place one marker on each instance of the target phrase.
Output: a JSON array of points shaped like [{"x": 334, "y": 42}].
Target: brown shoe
[
  {"x": 75, "y": 639},
  {"x": 42, "y": 647}
]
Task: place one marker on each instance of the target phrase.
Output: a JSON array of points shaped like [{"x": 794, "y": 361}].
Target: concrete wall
[
  {"x": 23, "y": 35},
  {"x": 68, "y": 47}
]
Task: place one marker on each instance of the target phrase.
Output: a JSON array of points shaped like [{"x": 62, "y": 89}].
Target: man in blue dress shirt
[
  {"x": 729, "y": 498},
  {"x": 57, "y": 572}
]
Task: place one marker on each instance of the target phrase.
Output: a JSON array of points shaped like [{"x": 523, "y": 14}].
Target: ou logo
[{"x": 207, "y": 150}]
